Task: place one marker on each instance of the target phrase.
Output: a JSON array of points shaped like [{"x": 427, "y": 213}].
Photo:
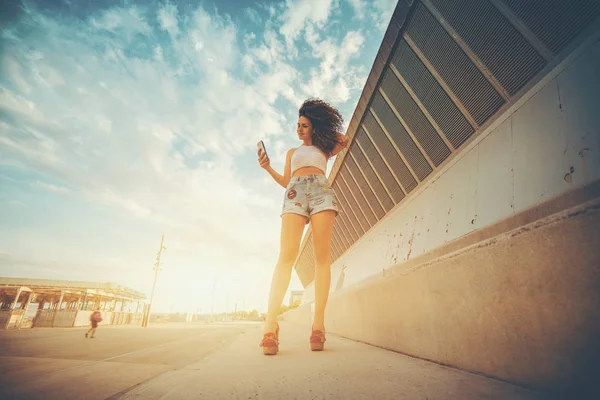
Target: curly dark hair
[{"x": 326, "y": 122}]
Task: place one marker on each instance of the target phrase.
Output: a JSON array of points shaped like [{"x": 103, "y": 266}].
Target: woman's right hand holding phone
[{"x": 263, "y": 160}]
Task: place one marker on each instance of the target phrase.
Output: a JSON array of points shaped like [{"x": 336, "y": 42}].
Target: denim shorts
[{"x": 309, "y": 194}]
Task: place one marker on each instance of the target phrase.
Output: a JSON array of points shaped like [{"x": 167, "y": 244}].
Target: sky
[{"x": 122, "y": 121}]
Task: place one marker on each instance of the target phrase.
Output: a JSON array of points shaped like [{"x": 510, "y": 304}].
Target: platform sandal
[
  {"x": 317, "y": 340},
  {"x": 270, "y": 343}
]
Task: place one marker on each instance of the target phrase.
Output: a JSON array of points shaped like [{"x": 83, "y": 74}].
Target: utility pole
[
  {"x": 156, "y": 269},
  {"x": 212, "y": 307},
  {"x": 227, "y": 307}
]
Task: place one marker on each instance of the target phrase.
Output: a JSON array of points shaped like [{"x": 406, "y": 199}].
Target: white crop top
[{"x": 308, "y": 156}]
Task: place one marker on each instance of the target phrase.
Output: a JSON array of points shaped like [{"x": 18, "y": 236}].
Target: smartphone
[{"x": 261, "y": 146}]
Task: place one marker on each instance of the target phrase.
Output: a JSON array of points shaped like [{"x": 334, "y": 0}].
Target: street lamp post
[
  {"x": 156, "y": 269},
  {"x": 212, "y": 307}
]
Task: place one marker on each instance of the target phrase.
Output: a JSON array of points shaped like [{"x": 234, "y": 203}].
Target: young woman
[{"x": 308, "y": 197}]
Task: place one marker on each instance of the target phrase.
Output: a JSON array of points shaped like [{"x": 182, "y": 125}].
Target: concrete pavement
[
  {"x": 222, "y": 361},
  {"x": 62, "y": 364}
]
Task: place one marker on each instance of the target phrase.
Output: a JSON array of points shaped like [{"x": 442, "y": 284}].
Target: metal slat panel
[
  {"x": 464, "y": 79},
  {"x": 401, "y": 138},
  {"x": 338, "y": 228},
  {"x": 353, "y": 124},
  {"x": 358, "y": 196},
  {"x": 351, "y": 199},
  {"x": 379, "y": 165},
  {"x": 343, "y": 245},
  {"x": 512, "y": 60},
  {"x": 385, "y": 49},
  {"x": 351, "y": 233},
  {"x": 332, "y": 252},
  {"x": 338, "y": 253},
  {"x": 351, "y": 215},
  {"x": 391, "y": 154},
  {"x": 416, "y": 121},
  {"x": 334, "y": 244},
  {"x": 378, "y": 66},
  {"x": 364, "y": 185},
  {"x": 388, "y": 151},
  {"x": 334, "y": 249},
  {"x": 555, "y": 22},
  {"x": 340, "y": 247},
  {"x": 362, "y": 199},
  {"x": 372, "y": 178},
  {"x": 453, "y": 123},
  {"x": 351, "y": 236}
]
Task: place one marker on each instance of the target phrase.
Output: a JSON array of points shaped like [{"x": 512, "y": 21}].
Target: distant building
[
  {"x": 296, "y": 296},
  {"x": 29, "y": 303}
]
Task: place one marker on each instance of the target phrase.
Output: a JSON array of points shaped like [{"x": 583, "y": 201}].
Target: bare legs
[
  {"x": 292, "y": 227},
  {"x": 92, "y": 330},
  {"x": 322, "y": 228}
]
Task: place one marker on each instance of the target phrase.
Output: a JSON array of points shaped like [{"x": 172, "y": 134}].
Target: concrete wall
[
  {"x": 522, "y": 306},
  {"x": 524, "y": 158}
]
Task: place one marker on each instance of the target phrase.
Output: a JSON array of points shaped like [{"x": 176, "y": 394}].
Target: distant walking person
[
  {"x": 95, "y": 318},
  {"x": 308, "y": 197}
]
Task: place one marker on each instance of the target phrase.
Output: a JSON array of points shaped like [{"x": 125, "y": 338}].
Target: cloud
[
  {"x": 383, "y": 12},
  {"x": 334, "y": 75},
  {"x": 144, "y": 122},
  {"x": 359, "y": 8},
  {"x": 11, "y": 68},
  {"x": 253, "y": 16},
  {"x": 300, "y": 14},
  {"x": 377, "y": 11},
  {"x": 332, "y": 78},
  {"x": 17, "y": 105},
  {"x": 51, "y": 187},
  {"x": 7, "y": 178},
  {"x": 167, "y": 17},
  {"x": 126, "y": 21}
]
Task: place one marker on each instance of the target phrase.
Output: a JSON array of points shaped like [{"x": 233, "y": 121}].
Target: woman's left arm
[{"x": 341, "y": 144}]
